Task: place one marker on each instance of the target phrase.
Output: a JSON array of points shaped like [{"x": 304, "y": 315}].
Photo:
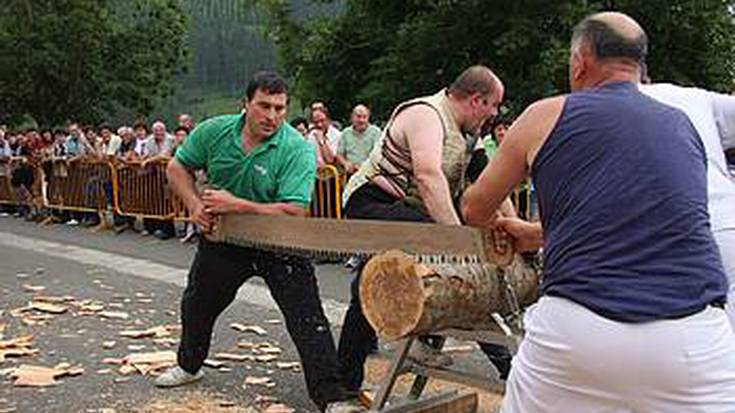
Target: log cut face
[{"x": 401, "y": 297}]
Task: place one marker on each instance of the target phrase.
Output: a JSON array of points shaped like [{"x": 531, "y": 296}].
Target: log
[{"x": 401, "y": 297}]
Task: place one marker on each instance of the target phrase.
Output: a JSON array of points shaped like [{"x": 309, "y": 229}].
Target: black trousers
[
  {"x": 216, "y": 274},
  {"x": 370, "y": 202}
]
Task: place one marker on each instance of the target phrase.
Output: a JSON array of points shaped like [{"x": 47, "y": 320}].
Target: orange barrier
[
  {"x": 7, "y": 194},
  {"x": 144, "y": 191},
  {"x": 327, "y": 199},
  {"x": 78, "y": 185}
]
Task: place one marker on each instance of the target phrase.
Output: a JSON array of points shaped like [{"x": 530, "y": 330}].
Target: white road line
[{"x": 249, "y": 292}]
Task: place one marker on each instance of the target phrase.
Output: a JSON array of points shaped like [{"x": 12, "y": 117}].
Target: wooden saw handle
[{"x": 498, "y": 247}]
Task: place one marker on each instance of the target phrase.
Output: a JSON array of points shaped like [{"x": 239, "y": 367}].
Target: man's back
[{"x": 621, "y": 182}]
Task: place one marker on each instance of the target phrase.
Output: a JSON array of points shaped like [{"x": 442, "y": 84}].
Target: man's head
[
  {"x": 74, "y": 130},
  {"x": 266, "y": 103},
  {"x": 606, "y": 46},
  {"x": 301, "y": 125},
  {"x": 140, "y": 130},
  {"x": 159, "y": 130},
  {"x": 105, "y": 132},
  {"x": 180, "y": 134},
  {"x": 477, "y": 94},
  {"x": 320, "y": 119},
  {"x": 360, "y": 118},
  {"x": 186, "y": 121}
]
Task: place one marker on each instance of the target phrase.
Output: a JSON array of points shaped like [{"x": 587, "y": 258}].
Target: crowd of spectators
[{"x": 344, "y": 148}]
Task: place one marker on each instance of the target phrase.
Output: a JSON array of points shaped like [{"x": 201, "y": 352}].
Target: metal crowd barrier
[
  {"x": 141, "y": 189},
  {"x": 327, "y": 199},
  {"x": 79, "y": 185},
  {"x": 7, "y": 194}
]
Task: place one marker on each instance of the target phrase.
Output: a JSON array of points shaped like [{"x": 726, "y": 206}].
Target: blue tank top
[{"x": 622, "y": 190}]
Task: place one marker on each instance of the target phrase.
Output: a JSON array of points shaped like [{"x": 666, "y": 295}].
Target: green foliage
[
  {"x": 381, "y": 51},
  {"x": 88, "y": 58}
]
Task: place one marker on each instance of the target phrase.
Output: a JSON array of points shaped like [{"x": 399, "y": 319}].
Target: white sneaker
[
  {"x": 347, "y": 406},
  {"x": 176, "y": 376},
  {"x": 72, "y": 222},
  {"x": 423, "y": 353}
]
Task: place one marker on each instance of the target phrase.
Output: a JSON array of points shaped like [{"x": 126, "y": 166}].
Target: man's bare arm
[
  {"x": 511, "y": 162},
  {"x": 182, "y": 182},
  {"x": 425, "y": 136}
]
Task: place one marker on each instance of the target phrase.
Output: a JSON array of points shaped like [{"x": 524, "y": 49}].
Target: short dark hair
[
  {"x": 269, "y": 82},
  {"x": 299, "y": 121},
  {"x": 606, "y": 43},
  {"x": 182, "y": 128},
  {"x": 140, "y": 124},
  {"x": 103, "y": 126}
]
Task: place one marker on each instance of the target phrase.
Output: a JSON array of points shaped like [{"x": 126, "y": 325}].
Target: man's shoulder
[
  {"x": 292, "y": 139},
  {"x": 217, "y": 122}
]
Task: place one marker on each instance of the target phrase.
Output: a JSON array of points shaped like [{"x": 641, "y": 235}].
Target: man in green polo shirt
[{"x": 259, "y": 165}]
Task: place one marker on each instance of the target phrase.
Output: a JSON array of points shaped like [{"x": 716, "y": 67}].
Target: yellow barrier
[
  {"x": 7, "y": 194},
  {"x": 144, "y": 191},
  {"x": 327, "y": 199},
  {"x": 78, "y": 185}
]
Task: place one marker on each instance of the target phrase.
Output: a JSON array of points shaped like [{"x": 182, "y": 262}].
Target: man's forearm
[
  {"x": 182, "y": 183},
  {"x": 438, "y": 201},
  {"x": 278, "y": 208}
]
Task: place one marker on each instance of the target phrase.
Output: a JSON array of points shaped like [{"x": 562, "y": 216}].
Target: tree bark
[{"x": 402, "y": 297}]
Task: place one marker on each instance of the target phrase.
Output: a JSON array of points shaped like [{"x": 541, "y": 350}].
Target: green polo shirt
[{"x": 281, "y": 169}]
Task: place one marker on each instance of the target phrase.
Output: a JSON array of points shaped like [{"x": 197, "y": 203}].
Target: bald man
[
  {"x": 357, "y": 140},
  {"x": 630, "y": 317},
  {"x": 415, "y": 173}
]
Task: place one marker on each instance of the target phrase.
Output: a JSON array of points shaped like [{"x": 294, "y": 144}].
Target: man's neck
[{"x": 248, "y": 140}]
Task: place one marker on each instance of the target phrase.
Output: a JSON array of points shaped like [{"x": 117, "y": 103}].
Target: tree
[
  {"x": 85, "y": 59},
  {"x": 382, "y": 52}
]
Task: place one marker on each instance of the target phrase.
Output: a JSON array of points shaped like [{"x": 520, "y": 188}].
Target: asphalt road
[{"x": 143, "y": 277}]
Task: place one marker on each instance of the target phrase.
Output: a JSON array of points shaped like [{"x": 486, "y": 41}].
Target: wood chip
[
  {"x": 39, "y": 376},
  {"x": 215, "y": 364},
  {"x": 33, "y": 288},
  {"x": 279, "y": 408},
  {"x": 50, "y": 308},
  {"x": 269, "y": 350},
  {"x": 286, "y": 365},
  {"x": 108, "y": 344},
  {"x": 120, "y": 315},
  {"x": 234, "y": 357},
  {"x": 151, "y": 358},
  {"x": 115, "y": 361},
  {"x": 160, "y": 331},
  {"x": 249, "y": 329},
  {"x": 22, "y": 275},
  {"x": 273, "y": 321},
  {"x": 264, "y": 358},
  {"x": 127, "y": 369},
  {"x": 257, "y": 381}
]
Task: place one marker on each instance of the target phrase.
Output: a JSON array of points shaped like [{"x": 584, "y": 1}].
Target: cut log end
[{"x": 385, "y": 277}]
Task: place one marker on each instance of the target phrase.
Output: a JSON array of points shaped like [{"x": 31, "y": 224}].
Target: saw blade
[{"x": 431, "y": 243}]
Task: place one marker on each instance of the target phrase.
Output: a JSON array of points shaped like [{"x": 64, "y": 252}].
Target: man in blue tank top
[{"x": 630, "y": 316}]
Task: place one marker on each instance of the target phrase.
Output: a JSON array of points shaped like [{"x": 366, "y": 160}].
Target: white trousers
[
  {"x": 726, "y": 241},
  {"x": 575, "y": 361}
]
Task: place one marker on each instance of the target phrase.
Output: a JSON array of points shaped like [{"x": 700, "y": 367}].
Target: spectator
[
  {"x": 157, "y": 148},
  {"x": 76, "y": 144},
  {"x": 301, "y": 125},
  {"x": 5, "y": 151},
  {"x": 180, "y": 135},
  {"x": 140, "y": 129},
  {"x": 160, "y": 145},
  {"x": 113, "y": 141},
  {"x": 187, "y": 122},
  {"x": 324, "y": 137},
  {"x": 357, "y": 140}
]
